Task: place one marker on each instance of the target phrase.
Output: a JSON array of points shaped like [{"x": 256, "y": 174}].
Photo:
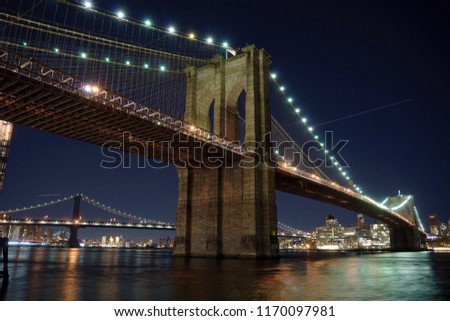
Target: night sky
[{"x": 337, "y": 58}]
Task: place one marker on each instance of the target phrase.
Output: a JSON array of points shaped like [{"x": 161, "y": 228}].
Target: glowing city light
[
  {"x": 120, "y": 14},
  {"x": 282, "y": 88},
  {"x": 148, "y": 23},
  {"x": 162, "y": 68},
  {"x": 192, "y": 35},
  {"x": 297, "y": 110},
  {"x": 88, "y": 4},
  {"x": 107, "y": 59},
  {"x": 127, "y": 62},
  {"x": 171, "y": 29},
  {"x": 146, "y": 66},
  {"x": 304, "y": 120},
  {"x": 225, "y": 44},
  {"x": 209, "y": 40},
  {"x": 83, "y": 55},
  {"x": 56, "y": 50},
  {"x": 290, "y": 100}
]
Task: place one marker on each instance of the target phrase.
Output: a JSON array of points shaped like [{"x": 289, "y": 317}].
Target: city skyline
[{"x": 41, "y": 164}]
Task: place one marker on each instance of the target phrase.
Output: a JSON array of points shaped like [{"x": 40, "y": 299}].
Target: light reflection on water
[{"x": 120, "y": 274}]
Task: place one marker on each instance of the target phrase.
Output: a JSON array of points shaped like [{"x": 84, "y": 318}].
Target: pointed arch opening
[
  {"x": 211, "y": 117},
  {"x": 241, "y": 116}
]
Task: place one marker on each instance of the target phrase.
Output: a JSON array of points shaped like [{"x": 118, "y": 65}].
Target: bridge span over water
[{"x": 229, "y": 166}]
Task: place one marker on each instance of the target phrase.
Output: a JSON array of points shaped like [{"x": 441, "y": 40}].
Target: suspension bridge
[
  {"x": 25, "y": 216},
  {"x": 101, "y": 77}
]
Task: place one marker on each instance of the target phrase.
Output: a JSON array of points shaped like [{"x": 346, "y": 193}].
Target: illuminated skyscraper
[
  {"x": 360, "y": 221},
  {"x": 435, "y": 224},
  {"x": 5, "y": 141},
  {"x": 443, "y": 229}
]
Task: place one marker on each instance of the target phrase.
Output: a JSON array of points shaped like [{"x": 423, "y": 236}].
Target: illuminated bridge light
[
  {"x": 290, "y": 100},
  {"x": 83, "y": 55},
  {"x": 273, "y": 76},
  {"x": 297, "y": 110},
  {"x": 225, "y": 44},
  {"x": 87, "y": 88},
  {"x": 282, "y": 88},
  {"x": 192, "y": 35},
  {"x": 120, "y": 14},
  {"x": 127, "y": 62},
  {"x": 162, "y": 68},
  {"x": 304, "y": 120},
  {"x": 209, "y": 40},
  {"x": 171, "y": 29},
  {"x": 148, "y": 23},
  {"x": 88, "y": 4},
  {"x": 56, "y": 50}
]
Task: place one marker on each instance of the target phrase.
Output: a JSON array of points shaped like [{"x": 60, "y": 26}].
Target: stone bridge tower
[{"x": 229, "y": 212}]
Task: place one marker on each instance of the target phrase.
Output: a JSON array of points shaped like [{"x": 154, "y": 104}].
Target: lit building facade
[
  {"x": 435, "y": 224},
  {"x": 380, "y": 235},
  {"x": 330, "y": 236},
  {"x": 333, "y": 236},
  {"x": 5, "y": 140}
]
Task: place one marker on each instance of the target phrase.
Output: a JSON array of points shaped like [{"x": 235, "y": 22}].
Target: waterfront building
[
  {"x": 330, "y": 236},
  {"x": 443, "y": 229},
  {"x": 435, "y": 224},
  {"x": 333, "y": 236},
  {"x": 380, "y": 236}
]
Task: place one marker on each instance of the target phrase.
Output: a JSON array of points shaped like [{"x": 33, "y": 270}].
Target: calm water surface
[{"x": 120, "y": 274}]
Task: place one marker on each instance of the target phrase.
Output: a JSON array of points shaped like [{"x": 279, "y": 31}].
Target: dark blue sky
[{"x": 338, "y": 58}]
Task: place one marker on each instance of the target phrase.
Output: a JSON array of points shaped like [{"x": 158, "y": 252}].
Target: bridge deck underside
[{"x": 34, "y": 104}]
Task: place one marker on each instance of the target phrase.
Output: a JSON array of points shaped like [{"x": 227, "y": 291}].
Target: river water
[{"x": 131, "y": 274}]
